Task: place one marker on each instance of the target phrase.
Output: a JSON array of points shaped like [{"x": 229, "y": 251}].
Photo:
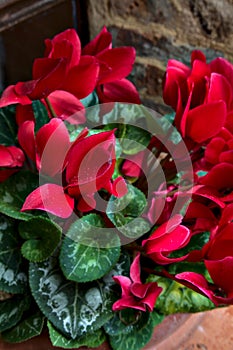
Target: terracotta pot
[{"x": 212, "y": 330}]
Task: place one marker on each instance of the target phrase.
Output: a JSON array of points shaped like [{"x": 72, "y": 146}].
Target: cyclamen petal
[
  {"x": 85, "y": 72},
  {"x": 102, "y": 42},
  {"x": 50, "y": 198},
  {"x": 120, "y": 61},
  {"x": 53, "y": 143},
  {"x": 26, "y": 138},
  {"x": 128, "y": 302},
  {"x": 54, "y": 48},
  {"x": 11, "y": 156},
  {"x": 10, "y": 96},
  {"x": 67, "y": 107},
  {"x": 205, "y": 121},
  {"x": 119, "y": 91},
  {"x": 221, "y": 271},
  {"x": 135, "y": 270}
]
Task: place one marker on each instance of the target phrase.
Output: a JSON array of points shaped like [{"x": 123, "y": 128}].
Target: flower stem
[{"x": 50, "y": 108}]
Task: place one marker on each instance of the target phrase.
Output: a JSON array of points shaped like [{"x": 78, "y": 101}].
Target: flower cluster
[{"x": 108, "y": 211}]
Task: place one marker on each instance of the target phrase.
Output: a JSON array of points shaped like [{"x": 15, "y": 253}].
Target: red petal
[
  {"x": 222, "y": 66},
  {"x": 67, "y": 106},
  {"x": 52, "y": 142},
  {"x": 91, "y": 161},
  {"x": 219, "y": 89},
  {"x": 226, "y": 157},
  {"x": 132, "y": 165},
  {"x": 4, "y": 174},
  {"x": 165, "y": 228},
  {"x": 221, "y": 272},
  {"x": 100, "y": 43},
  {"x": 118, "y": 91},
  {"x": 128, "y": 302},
  {"x": 24, "y": 113},
  {"x": 17, "y": 156},
  {"x": 162, "y": 259},
  {"x": 81, "y": 80},
  {"x": 57, "y": 47},
  {"x": 175, "y": 83},
  {"x": 119, "y": 187},
  {"x": 50, "y": 198},
  {"x": 119, "y": 61},
  {"x": 219, "y": 177},
  {"x": 227, "y": 215},
  {"x": 152, "y": 294},
  {"x": 5, "y": 157},
  {"x": 214, "y": 149},
  {"x": 50, "y": 73},
  {"x": 135, "y": 269},
  {"x": 86, "y": 203},
  {"x": 197, "y": 55},
  {"x": 205, "y": 121},
  {"x": 26, "y": 138},
  {"x": 169, "y": 242},
  {"x": 125, "y": 284},
  {"x": 9, "y": 97},
  {"x": 196, "y": 282}
]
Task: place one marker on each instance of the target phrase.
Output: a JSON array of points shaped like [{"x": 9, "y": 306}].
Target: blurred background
[{"x": 158, "y": 29}]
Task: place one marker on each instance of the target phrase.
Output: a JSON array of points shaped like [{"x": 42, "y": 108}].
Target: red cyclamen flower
[
  {"x": 11, "y": 159},
  {"x": 135, "y": 294},
  {"x": 88, "y": 166},
  {"x": 167, "y": 238}
]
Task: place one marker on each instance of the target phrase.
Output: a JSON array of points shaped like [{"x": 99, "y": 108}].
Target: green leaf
[
  {"x": 135, "y": 140},
  {"x": 42, "y": 235},
  {"x": 90, "y": 100},
  {"x": 125, "y": 213},
  {"x": 11, "y": 311},
  {"x": 196, "y": 243},
  {"x": 124, "y": 113},
  {"x": 156, "y": 318},
  {"x": 136, "y": 339},
  {"x": 121, "y": 268},
  {"x": 90, "y": 340},
  {"x": 91, "y": 103},
  {"x": 74, "y": 309},
  {"x": 87, "y": 252},
  {"x": 13, "y": 278},
  {"x": 126, "y": 321},
  {"x": 8, "y": 126},
  {"x": 178, "y": 298},
  {"x": 13, "y": 193},
  {"x": 40, "y": 114},
  {"x": 26, "y": 329}
]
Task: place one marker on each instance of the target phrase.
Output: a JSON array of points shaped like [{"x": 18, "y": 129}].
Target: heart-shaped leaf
[
  {"x": 126, "y": 321},
  {"x": 40, "y": 114},
  {"x": 178, "y": 298},
  {"x": 13, "y": 278},
  {"x": 8, "y": 126},
  {"x": 89, "y": 250},
  {"x": 121, "y": 268},
  {"x": 42, "y": 235},
  {"x": 90, "y": 340},
  {"x": 136, "y": 339},
  {"x": 26, "y": 329},
  {"x": 13, "y": 193},
  {"x": 73, "y": 308},
  {"x": 125, "y": 213},
  {"x": 11, "y": 311},
  {"x": 135, "y": 140}
]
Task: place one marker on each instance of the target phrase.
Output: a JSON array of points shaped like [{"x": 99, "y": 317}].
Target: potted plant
[{"x": 112, "y": 215}]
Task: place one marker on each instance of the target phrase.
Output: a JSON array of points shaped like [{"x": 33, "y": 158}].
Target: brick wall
[{"x": 163, "y": 29}]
